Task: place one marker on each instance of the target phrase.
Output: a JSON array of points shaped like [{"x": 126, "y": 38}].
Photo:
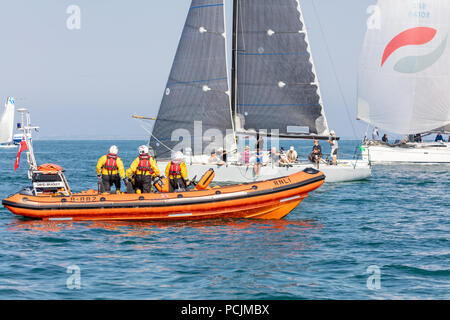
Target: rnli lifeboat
[{"x": 50, "y": 198}]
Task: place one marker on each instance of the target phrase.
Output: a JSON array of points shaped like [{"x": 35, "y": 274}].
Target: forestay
[{"x": 404, "y": 71}]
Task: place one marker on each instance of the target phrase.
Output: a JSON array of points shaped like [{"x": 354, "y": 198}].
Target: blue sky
[{"x": 86, "y": 83}]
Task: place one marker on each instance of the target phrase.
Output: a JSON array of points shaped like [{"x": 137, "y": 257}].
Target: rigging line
[
  {"x": 206, "y": 6},
  {"x": 194, "y": 81},
  {"x": 240, "y": 22},
  {"x": 151, "y": 134},
  {"x": 367, "y": 132},
  {"x": 334, "y": 70}
]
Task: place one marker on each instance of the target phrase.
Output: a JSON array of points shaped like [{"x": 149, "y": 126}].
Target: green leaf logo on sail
[
  {"x": 420, "y": 63},
  {"x": 414, "y": 36}
]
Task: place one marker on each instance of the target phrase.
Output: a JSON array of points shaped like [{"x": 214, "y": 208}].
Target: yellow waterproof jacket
[
  {"x": 101, "y": 169},
  {"x": 183, "y": 171},
  {"x": 133, "y": 170}
]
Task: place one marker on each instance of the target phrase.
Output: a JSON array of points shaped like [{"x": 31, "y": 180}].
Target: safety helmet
[
  {"x": 178, "y": 155},
  {"x": 113, "y": 150},
  {"x": 143, "y": 149}
]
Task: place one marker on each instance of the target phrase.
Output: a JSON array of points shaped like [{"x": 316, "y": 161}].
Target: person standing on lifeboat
[
  {"x": 109, "y": 168},
  {"x": 176, "y": 172},
  {"x": 143, "y": 169}
]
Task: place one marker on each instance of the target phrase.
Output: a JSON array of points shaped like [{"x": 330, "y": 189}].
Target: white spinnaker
[
  {"x": 7, "y": 122},
  {"x": 410, "y": 92}
]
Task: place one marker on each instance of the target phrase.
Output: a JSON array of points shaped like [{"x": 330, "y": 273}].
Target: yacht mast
[{"x": 233, "y": 64}]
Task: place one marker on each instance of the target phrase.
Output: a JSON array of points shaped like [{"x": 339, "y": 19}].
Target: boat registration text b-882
[{"x": 84, "y": 199}]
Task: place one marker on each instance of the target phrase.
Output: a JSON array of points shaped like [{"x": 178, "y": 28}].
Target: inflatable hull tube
[{"x": 271, "y": 199}]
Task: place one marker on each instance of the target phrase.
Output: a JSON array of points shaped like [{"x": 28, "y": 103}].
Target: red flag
[{"x": 23, "y": 147}]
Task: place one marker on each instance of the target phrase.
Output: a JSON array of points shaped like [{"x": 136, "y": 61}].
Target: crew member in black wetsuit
[{"x": 316, "y": 153}]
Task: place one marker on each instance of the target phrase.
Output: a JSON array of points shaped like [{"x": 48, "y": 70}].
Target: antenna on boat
[
  {"x": 27, "y": 129},
  {"x": 143, "y": 118}
]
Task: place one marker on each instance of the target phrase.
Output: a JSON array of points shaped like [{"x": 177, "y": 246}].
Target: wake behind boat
[{"x": 274, "y": 89}]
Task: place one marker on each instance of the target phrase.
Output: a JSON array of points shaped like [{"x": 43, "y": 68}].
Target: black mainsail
[
  {"x": 274, "y": 85},
  {"x": 273, "y": 74},
  {"x": 196, "y": 99}
]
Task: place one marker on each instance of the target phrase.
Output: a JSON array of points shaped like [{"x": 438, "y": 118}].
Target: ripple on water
[{"x": 397, "y": 220}]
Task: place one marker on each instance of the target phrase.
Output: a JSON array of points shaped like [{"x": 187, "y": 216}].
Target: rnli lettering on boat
[{"x": 282, "y": 181}]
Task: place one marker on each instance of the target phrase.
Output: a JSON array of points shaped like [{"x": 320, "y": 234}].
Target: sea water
[{"x": 387, "y": 237}]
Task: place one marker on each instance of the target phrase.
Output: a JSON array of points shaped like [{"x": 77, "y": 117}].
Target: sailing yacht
[
  {"x": 7, "y": 125},
  {"x": 274, "y": 91},
  {"x": 404, "y": 80}
]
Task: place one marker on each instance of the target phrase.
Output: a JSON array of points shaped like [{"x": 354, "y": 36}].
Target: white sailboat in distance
[
  {"x": 274, "y": 92},
  {"x": 404, "y": 80},
  {"x": 7, "y": 125}
]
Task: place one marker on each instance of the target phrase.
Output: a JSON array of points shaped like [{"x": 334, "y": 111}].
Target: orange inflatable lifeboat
[{"x": 270, "y": 199}]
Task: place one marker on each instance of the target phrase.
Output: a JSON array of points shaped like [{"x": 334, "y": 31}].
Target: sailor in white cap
[
  {"x": 334, "y": 146},
  {"x": 292, "y": 155}
]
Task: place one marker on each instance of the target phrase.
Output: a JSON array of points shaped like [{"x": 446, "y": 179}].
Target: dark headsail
[
  {"x": 273, "y": 70},
  {"x": 197, "y": 89}
]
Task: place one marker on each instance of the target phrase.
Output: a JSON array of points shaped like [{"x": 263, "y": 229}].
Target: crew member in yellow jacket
[
  {"x": 110, "y": 170},
  {"x": 143, "y": 169},
  {"x": 176, "y": 172}
]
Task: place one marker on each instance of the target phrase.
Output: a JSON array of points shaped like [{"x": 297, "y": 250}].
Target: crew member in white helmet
[
  {"x": 142, "y": 171},
  {"x": 109, "y": 168},
  {"x": 176, "y": 172}
]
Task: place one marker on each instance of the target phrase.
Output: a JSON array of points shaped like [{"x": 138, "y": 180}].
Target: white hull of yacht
[
  {"x": 346, "y": 170},
  {"x": 8, "y": 146},
  {"x": 408, "y": 153}
]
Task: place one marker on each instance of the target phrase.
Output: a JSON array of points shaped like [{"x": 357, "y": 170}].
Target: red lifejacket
[
  {"x": 144, "y": 164},
  {"x": 175, "y": 168},
  {"x": 111, "y": 162}
]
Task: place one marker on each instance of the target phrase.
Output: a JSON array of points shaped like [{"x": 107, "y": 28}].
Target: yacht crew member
[
  {"x": 375, "y": 134},
  {"x": 334, "y": 146},
  {"x": 439, "y": 138},
  {"x": 316, "y": 153},
  {"x": 109, "y": 168},
  {"x": 245, "y": 156},
  {"x": 143, "y": 169},
  {"x": 292, "y": 155}
]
